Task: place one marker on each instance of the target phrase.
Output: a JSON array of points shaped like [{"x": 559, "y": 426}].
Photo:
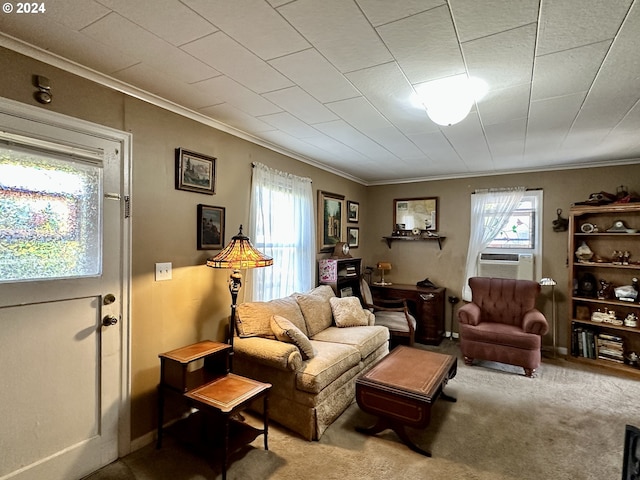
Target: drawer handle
[{"x": 427, "y": 296}]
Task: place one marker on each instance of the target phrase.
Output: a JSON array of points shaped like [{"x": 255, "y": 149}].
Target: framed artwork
[
  {"x": 410, "y": 213},
  {"x": 353, "y": 211},
  {"x": 331, "y": 220},
  {"x": 195, "y": 172},
  {"x": 210, "y": 227},
  {"x": 353, "y": 237}
]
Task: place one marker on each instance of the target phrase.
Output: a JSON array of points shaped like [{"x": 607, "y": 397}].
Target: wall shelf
[{"x": 414, "y": 239}]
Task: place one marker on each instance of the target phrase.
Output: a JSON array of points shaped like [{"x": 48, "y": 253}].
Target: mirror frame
[{"x": 428, "y": 204}]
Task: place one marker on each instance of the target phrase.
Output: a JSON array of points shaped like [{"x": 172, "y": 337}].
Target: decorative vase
[{"x": 584, "y": 253}]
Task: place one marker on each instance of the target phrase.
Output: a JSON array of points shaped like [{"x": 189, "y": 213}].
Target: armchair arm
[
  {"x": 535, "y": 322},
  {"x": 469, "y": 314},
  {"x": 272, "y": 353}
]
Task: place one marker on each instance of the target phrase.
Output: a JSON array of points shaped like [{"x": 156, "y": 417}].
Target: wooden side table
[{"x": 227, "y": 396}]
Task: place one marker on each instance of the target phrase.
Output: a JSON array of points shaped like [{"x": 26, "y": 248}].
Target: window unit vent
[{"x": 506, "y": 265}]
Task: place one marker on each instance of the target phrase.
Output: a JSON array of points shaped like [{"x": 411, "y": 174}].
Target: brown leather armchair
[{"x": 501, "y": 323}]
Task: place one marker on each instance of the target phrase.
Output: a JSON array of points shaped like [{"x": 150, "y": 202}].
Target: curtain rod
[{"x": 505, "y": 189}]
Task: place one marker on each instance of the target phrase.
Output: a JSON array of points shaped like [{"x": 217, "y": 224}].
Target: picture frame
[
  {"x": 421, "y": 212},
  {"x": 210, "y": 227},
  {"x": 353, "y": 211},
  {"x": 331, "y": 220},
  {"x": 353, "y": 236},
  {"x": 195, "y": 172}
]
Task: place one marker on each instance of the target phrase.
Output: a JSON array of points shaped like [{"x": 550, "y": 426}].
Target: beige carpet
[{"x": 568, "y": 423}]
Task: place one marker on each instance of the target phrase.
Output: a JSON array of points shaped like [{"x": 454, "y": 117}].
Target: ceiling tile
[
  {"x": 384, "y": 11},
  {"x": 119, "y": 33},
  {"x": 550, "y": 121},
  {"x": 268, "y": 37},
  {"x": 500, "y": 106},
  {"x": 351, "y": 137},
  {"x": 438, "y": 151},
  {"x": 502, "y": 60},
  {"x": 229, "y": 57},
  {"x": 424, "y": 45},
  {"x": 167, "y": 21},
  {"x": 567, "y": 24},
  {"x": 567, "y": 72},
  {"x": 474, "y": 19},
  {"x": 506, "y": 142},
  {"x": 341, "y": 152},
  {"x": 289, "y": 124},
  {"x": 224, "y": 89},
  {"x": 339, "y": 31},
  {"x": 388, "y": 90},
  {"x": 300, "y": 104},
  {"x": 75, "y": 14},
  {"x": 230, "y": 115},
  {"x": 315, "y": 75},
  {"x": 469, "y": 142}
]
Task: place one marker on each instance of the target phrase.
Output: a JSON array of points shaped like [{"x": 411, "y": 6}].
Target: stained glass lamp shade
[{"x": 239, "y": 254}]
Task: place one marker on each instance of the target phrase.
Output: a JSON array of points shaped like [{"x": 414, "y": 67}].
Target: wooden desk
[
  {"x": 402, "y": 387},
  {"x": 425, "y": 304}
]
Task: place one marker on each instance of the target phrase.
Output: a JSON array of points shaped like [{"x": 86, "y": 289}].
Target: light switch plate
[{"x": 163, "y": 271}]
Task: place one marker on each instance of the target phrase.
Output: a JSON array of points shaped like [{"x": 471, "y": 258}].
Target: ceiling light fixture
[{"x": 449, "y": 100}]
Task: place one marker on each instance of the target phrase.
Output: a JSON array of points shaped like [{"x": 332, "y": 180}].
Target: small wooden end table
[{"x": 401, "y": 388}]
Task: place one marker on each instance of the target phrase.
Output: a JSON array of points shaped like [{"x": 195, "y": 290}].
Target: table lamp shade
[
  {"x": 384, "y": 266},
  {"x": 240, "y": 254}
]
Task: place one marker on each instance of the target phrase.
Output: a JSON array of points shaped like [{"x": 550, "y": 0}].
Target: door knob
[{"x": 109, "y": 320}]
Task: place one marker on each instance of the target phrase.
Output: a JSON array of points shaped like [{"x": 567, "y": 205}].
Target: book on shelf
[
  {"x": 588, "y": 343},
  {"x": 346, "y": 292}
]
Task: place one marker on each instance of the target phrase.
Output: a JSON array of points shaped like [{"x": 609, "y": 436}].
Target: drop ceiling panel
[
  {"x": 568, "y": 24},
  {"x": 290, "y": 125},
  {"x": 470, "y": 144},
  {"x": 315, "y": 75},
  {"x": 119, "y": 33},
  {"x": 75, "y": 14},
  {"x": 346, "y": 134},
  {"x": 424, "y": 45},
  {"x": 383, "y": 11},
  {"x": 341, "y": 152},
  {"x": 567, "y": 72},
  {"x": 500, "y": 106},
  {"x": 230, "y": 115},
  {"x": 229, "y": 57},
  {"x": 302, "y": 105},
  {"x": 476, "y": 19},
  {"x": 270, "y": 36},
  {"x": 502, "y": 60},
  {"x": 339, "y": 31},
  {"x": 171, "y": 21},
  {"x": 438, "y": 150},
  {"x": 550, "y": 121},
  {"x": 506, "y": 142}
]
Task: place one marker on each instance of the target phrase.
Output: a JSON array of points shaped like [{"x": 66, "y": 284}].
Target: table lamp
[
  {"x": 383, "y": 266},
  {"x": 239, "y": 254}
]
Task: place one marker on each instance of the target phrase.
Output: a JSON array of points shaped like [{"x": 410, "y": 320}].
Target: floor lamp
[
  {"x": 238, "y": 255},
  {"x": 550, "y": 282}
]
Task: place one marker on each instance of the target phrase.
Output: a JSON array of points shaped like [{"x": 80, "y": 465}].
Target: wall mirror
[{"x": 410, "y": 213}]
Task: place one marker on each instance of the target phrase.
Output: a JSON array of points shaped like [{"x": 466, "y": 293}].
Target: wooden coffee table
[{"x": 402, "y": 387}]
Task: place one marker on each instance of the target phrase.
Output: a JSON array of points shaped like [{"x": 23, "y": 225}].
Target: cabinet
[
  {"x": 603, "y": 339},
  {"x": 425, "y": 304},
  {"x": 343, "y": 274}
]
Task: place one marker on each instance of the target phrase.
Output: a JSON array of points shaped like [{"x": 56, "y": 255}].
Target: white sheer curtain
[
  {"x": 490, "y": 211},
  {"x": 283, "y": 227}
]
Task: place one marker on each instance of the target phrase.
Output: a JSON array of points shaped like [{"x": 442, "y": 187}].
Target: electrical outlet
[{"x": 163, "y": 271}]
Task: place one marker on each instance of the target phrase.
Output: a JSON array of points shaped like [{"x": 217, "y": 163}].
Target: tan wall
[
  {"x": 413, "y": 261},
  {"x": 195, "y": 304}
]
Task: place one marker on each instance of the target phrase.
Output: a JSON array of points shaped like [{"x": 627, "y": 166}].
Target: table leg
[
  {"x": 225, "y": 459},
  {"x": 160, "y": 415},
  {"x": 384, "y": 423},
  {"x": 448, "y": 398},
  {"x": 266, "y": 421}
]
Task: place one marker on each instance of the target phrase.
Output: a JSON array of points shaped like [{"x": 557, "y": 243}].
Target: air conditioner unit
[{"x": 506, "y": 265}]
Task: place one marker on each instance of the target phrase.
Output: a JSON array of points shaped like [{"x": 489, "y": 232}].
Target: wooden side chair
[{"x": 391, "y": 313}]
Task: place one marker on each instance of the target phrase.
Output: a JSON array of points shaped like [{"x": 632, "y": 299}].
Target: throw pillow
[
  {"x": 285, "y": 331},
  {"x": 348, "y": 312},
  {"x": 252, "y": 319},
  {"x": 316, "y": 309}
]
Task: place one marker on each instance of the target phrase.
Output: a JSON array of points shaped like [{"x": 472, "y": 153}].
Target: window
[
  {"x": 282, "y": 226},
  {"x": 49, "y": 216},
  {"x": 520, "y": 231}
]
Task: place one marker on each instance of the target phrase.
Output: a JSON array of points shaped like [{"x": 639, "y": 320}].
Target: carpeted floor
[{"x": 567, "y": 423}]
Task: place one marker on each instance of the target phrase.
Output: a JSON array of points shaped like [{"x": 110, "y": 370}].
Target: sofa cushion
[
  {"x": 500, "y": 334},
  {"x": 330, "y": 362},
  {"x": 285, "y": 331},
  {"x": 316, "y": 308},
  {"x": 348, "y": 312},
  {"x": 365, "y": 339},
  {"x": 253, "y": 319}
]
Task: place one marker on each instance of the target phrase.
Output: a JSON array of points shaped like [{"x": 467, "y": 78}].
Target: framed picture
[
  {"x": 210, "y": 227},
  {"x": 195, "y": 172},
  {"x": 353, "y": 211},
  {"x": 413, "y": 213},
  {"x": 331, "y": 219},
  {"x": 353, "y": 237}
]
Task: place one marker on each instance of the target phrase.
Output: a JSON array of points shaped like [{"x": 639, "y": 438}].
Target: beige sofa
[{"x": 311, "y": 347}]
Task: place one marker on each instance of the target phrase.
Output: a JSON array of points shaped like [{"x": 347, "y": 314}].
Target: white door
[{"x": 62, "y": 243}]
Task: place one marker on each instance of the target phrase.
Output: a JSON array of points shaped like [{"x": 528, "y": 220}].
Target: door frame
[{"x": 40, "y": 115}]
